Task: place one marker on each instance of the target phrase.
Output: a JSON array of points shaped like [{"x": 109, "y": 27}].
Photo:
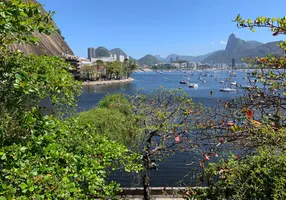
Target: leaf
[
  {"x": 23, "y": 186},
  {"x": 4, "y": 157},
  {"x": 23, "y": 149}
]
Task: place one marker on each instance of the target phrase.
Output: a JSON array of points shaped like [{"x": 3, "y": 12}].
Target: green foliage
[
  {"x": 261, "y": 176},
  {"x": 111, "y": 123},
  {"x": 19, "y": 20},
  {"x": 25, "y": 82},
  {"x": 47, "y": 156},
  {"x": 116, "y": 102},
  {"x": 61, "y": 160},
  {"x": 114, "y": 69},
  {"x": 112, "y": 118}
]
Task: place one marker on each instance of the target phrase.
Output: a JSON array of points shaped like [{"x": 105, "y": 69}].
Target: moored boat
[
  {"x": 227, "y": 90},
  {"x": 184, "y": 82},
  {"x": 193, "y": 85}
]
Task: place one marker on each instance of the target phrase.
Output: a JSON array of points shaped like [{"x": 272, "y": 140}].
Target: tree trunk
[{"x": 146, "y": 186}]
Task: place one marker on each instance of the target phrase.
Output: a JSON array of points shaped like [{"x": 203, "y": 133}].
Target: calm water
[{"x": 174, "y": 169}]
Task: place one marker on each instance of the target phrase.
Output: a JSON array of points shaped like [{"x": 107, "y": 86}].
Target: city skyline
[{"x": 156, "y": 27}]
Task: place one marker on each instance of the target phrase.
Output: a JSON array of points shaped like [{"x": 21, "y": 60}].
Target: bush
[
  {"x": 262, "y": 176},
  {"x": 61, "y": 160}
]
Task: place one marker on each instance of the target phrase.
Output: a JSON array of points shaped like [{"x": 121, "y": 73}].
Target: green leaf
[
  {"x": 4, "y": 157},
  {"x": 23, "y": 186},
  {"x": 23, "y": 149}
]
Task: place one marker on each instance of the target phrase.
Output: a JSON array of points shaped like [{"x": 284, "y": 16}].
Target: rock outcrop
[{"x": 53, "y": 44}]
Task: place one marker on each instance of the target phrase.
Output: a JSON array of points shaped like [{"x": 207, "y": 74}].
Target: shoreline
[{"x": 110, "y": 82}]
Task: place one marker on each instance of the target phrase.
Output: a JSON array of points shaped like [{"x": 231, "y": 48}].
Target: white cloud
[
  {"x": 223, "y": 42},
  {"x": 213, "y": 43}
]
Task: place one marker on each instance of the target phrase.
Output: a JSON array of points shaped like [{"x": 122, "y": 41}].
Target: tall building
[
  {"x": 233, "y": 63},
  {"x": 90, "y": 53}
]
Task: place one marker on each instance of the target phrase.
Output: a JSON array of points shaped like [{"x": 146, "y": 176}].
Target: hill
[
  {"x": 148, "y": 60},
  {"x": 53, "y": 44},
  {"x": 118, "y": 51},
  {"x": 183, "y": 57},
  {"x": 101, "y": 52},
  {"x": 237, "y": 48}
]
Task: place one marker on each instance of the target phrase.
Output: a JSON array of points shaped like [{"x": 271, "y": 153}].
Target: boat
[
  {"x": 193, "y": 85},
  {"x": 221, "y": 81},
  {"x": 203, "y": 81},
  {"x": 227, "y": 90},
  {"x": 245, "y": 87},
  {"x": 184, "y": 82},
  {"x": 233, "y": 83}
]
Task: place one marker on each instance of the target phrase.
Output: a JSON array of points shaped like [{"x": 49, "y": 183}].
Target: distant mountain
[
  {"x": 160, "y": 58},
  {"x": 118, "y": 51},
  {"x": 183, "y": 57},
  {"x": 101, "y": 52},
  {"x": 148, "y": 60},
  {"x": 237, "y": 48}
]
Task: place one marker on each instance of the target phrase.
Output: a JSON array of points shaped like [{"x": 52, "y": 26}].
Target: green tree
[
  {"x": 44, "y": 154},
  {"x": 114, "y": 69}
]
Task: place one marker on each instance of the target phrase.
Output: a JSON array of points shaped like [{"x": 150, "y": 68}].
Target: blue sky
[{"x": 140, "y": 27}]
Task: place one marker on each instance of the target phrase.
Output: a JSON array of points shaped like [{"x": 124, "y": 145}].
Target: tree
[
  {"x": 114, "y": 69},
  {"x": 254, "y": 127},
  {"x": 129, "y": 67},
  {"x": 163, "y": 120},
  {"x": 44, "y": 152}
]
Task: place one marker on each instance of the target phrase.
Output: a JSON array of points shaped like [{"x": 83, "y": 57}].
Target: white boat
[
  {"x": 227, "y": 90},
  {"x": 193, "y": 85},
  {"x": 245, "y": 87},
  {"x": 233, "y": 83},
  {"x": 184, "y": 82},
  {"x": 203, "y": 81},
  {"x": 221, "y": 81}
]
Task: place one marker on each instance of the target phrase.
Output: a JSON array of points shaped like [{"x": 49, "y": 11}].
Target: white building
[
  {"x": 192, "y": 65},
  {"x": 175, "y": 65},
  {"x": 112, "y": 58}
]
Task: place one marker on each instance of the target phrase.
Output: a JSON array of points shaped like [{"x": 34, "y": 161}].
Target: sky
[{"x": 159, "y": 27}]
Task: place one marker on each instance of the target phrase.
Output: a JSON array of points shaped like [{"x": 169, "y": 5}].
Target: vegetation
[
  {"x": 112, "y": 118},
  {"x": 109, "y": 70},
  {"x": 44, "y": 152},
  {"x": 253, "y": 129}
]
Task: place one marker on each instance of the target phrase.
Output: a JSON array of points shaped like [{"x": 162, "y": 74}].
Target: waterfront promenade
[{"x": 110, "y": 82}]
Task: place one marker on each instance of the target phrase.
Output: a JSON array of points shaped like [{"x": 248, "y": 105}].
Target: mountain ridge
[{"x": 237, "y": 49}]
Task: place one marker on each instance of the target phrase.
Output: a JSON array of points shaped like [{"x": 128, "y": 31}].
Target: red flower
[
  {"x": 249, "y": 114},
  {"x": 177, "y": 139},
  {"x": 221, "y": 140}
]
